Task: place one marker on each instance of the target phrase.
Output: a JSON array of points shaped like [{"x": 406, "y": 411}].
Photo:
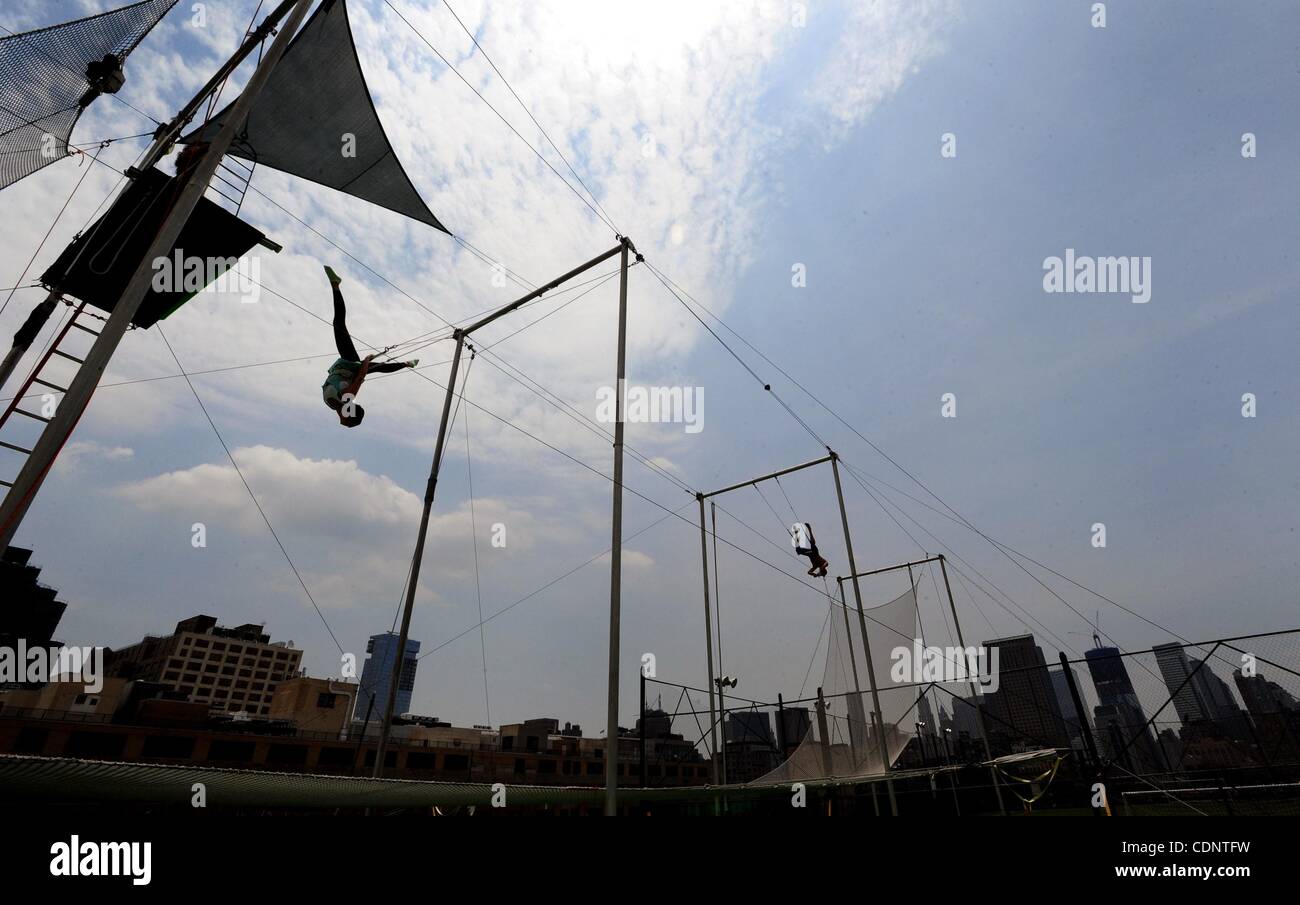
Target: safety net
[
  {"x": 49, "y": 76},
  {"x": 315, "y": 119},
  {"x": 843, "y": 738}
]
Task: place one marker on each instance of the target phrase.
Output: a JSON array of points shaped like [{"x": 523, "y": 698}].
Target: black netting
[
  {"x": 46, "y": 76},
  {"x": 315, "y": 119}
]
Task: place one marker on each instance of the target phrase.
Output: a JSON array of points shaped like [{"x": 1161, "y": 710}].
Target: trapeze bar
[
  {"x": 901, "y": 565},
  {"x": 542, "y": 290},
  {"x": 767, "y": 477}
]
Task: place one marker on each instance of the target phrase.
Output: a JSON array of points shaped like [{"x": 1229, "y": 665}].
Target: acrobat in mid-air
[
  {"x": 346, "y": 375},
  {"x": 801, "y": 535}
]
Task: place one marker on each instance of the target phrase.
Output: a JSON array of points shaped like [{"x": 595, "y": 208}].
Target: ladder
[
  {"x": 230, "y": 183},
  {"x": 64, "y": 355}
]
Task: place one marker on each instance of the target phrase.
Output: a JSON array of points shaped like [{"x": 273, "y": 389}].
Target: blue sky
[{"x": 774, "y": 146}]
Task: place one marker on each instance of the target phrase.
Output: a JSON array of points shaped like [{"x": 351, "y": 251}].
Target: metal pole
[
  {"x": 767, "y": 477},
  {"x": 722, "y": 721},
  {"x": 418, "y": 558},
  {"x": 1084, "y": 728},
  {"x": 166, "y": 135},
  {"x": 827, "y": 763},
  {"x": 780, "y": 725},
  {"x": 857, "y": 685},
  {"x": 82, "y": 387},
  {"x": 708, "y": 641},
  {"x": 642, "y": 727},
  {"x": 862, "y": 624},
  {"x": 901, "y": 565},
  {"x": 717, "y": 616},
  {"x": 364, "y": 727},
  {"x": 616, "y": 561},
  {"x": 979, "y": 709}
]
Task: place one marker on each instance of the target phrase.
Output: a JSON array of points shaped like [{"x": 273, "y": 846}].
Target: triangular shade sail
[
  {"x": 45, "y": 77},
  {"x": 315, "y": 97}
]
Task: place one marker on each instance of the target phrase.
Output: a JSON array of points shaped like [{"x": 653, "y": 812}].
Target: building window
[{"x": 326, "y": 700}]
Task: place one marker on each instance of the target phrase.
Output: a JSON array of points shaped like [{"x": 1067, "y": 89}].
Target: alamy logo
[
  {"x": 920, "y": 663},
  {"x": 39, "y": 665},
  {"x": 191, "y": 274},
  {"x": 660, "y": 405},
  {"x": 1131, "y": 275},
  {"x": 103, "y": 859}
]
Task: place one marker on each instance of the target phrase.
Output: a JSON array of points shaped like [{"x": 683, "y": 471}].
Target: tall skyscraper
[
  {"x": 1119, "y": 716},
  {"x": 1216, "y": 696},
  {"x": 1176, "y": 671},
  {"x": 1024, "y": 713},
  {"x": 377, "y": 675}
]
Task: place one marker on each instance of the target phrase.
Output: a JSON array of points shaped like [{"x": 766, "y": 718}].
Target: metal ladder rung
[
  {"x": 6, "y": 483},
  {"x": 87, "y": 329},
  {"x": 80, "y": 361},
  {"x": 26, "y": 452},
  {"x": 32, "y": 415},
  {"x": 46, "y": 383}
]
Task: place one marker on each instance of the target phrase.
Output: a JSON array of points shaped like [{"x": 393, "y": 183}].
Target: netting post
[
  {"x": 822, "y": 728},
  {"x": 866, "y": 645},
  {"x": 708, "y": 642},
  {"x": 413, "y": 582},
  {"x": 616, "y": 551},
  {"x": 853, "y": 662},
  {"x": 979, "y": 710},
  {"x": 642, "y": 728}
]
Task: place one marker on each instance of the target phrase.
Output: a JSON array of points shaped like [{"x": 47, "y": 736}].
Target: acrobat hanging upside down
[
  {"x": 801, "y": 535},
  {"x": 349, "y": 371}
]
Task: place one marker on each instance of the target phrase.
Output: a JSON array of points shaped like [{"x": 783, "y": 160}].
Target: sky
[{"x": 865, "y": 193}]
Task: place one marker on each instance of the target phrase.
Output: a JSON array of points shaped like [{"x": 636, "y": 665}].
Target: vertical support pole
[
  {"x": 855, "y": 712},
  {"x": 979, "y": 709},
  {"x": 827, "y": 764},
  {"x": 780, "y": 724},
  {"x": 429, "y": 490},
  {"x": 82, "y": 387},
  {"x": 642, "y": 722},
  {"x": 717, "y": 618},
  {"x": 1084, "y": 728},
  {"x": 365, "y": 726},
  {"x": 708, "y": 642},
  {"x": 616, "y": 548},
  {"x": 722, "y": 722},
  {"x": 862, "y": 624}
]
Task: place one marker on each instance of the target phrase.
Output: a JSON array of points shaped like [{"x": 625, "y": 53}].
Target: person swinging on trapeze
[
  {"x": 801, "y": 535},
  {"x": 346, "y": 375}
]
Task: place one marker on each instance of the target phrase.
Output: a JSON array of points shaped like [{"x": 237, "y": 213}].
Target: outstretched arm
[{"x": 355, "y": 386}]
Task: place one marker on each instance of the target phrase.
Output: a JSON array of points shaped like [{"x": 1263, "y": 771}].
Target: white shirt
[{"x": 800, "y": 536}]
